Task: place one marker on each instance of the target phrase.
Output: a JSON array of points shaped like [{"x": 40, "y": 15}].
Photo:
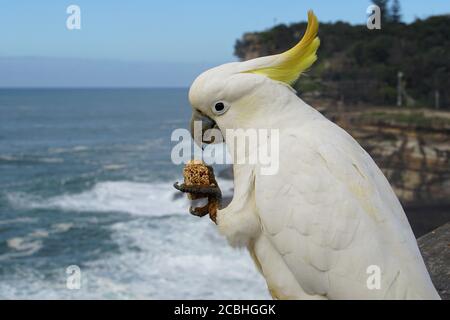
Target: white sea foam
[
  {"x": 17, "y": 220},
  {"x": 31, "y": 243},
  {"x": 147, "y": 199},
  {"x": 7, "y": 158},
  {"x": 29, "y": 159},
  {"x": 68, "y": 150},
  {"x": 27, "y": 245},
  {"x": 39, "y": 234},
  {"x": 51, "y": 160},
  {"x": 62, "y": 227},
  {"x": 184, "y": 257},
  {"x": 112, "y": 167},
  {"x": 153, "y": 199},
  {"x": 80, "y": 148}
]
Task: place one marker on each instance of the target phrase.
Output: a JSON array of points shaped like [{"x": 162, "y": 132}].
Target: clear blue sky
[{"x": 179, "y": 35}]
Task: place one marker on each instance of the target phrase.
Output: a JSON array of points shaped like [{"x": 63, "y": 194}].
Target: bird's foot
[
  {"x": 211, "y": 192},
  {"x": 199, "y": 191}
]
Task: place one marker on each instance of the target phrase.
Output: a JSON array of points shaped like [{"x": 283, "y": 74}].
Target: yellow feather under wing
[{"x": 290, "y": 64}]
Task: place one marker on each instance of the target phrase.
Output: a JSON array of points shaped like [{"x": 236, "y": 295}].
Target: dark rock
[
  {"x": 435, "y": 248},
  {"x": 424, "y": 218},
  {"x": 415, "y": 162}
]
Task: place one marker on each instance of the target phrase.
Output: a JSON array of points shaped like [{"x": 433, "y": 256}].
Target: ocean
[{"x": 86, "y": 179}]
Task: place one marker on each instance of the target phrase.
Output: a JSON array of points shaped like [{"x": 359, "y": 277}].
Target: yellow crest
[{"x": 288, "y": 65}]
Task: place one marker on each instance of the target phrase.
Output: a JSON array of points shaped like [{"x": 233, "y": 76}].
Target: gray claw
[{"x": 213, "y": 191}]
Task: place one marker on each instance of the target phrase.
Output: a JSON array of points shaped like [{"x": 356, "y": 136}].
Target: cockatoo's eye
[{"x": 220, "y": 108}]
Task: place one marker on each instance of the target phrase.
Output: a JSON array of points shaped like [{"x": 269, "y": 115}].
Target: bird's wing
[{"x": 330, "y": 213}]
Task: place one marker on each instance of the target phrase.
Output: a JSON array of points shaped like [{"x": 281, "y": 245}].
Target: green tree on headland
[
  {"x": 358, "y": 65},
  {"x": 383, "y": 5},
  {"x": 395, "y": 13}
]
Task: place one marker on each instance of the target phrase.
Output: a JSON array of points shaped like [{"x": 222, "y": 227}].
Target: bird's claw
[
  {"x": 204, "y": 191},
  {"x": 211, "y": 192},
  {"x": 199, "y": 211}
]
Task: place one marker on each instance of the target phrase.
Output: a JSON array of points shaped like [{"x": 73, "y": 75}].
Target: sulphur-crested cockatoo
[{"x": 327, "y": 224}]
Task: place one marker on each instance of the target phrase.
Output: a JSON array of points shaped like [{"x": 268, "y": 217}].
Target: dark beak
[{"x": 200, "y": 124}]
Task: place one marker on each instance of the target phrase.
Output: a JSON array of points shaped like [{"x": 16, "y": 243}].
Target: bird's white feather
[
  {"x": 317, "y": 225},
  {"x": 330, "y": 213}
]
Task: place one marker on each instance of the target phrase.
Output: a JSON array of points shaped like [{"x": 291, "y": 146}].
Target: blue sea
[{"x": 86, "y": 179}]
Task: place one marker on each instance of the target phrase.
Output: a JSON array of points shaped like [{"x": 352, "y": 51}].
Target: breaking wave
[
  {"x": 136, "y": 198},
  {"x": 114, "y": 196}
]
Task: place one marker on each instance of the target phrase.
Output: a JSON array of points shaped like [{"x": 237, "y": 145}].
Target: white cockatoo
[{"x": 327, "y": 224}]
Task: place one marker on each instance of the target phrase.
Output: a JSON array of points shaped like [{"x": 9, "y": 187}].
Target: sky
[{"x": 149, "y": 43}]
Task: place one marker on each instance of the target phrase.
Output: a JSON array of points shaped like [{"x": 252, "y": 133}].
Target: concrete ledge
[{"x": 435, "y": 248}]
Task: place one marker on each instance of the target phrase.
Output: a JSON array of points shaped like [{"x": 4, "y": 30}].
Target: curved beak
[{"x": 200, "y": 124}]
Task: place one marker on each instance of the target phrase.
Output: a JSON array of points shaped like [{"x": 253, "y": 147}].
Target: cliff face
[{"x": 412, "y": 148}]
